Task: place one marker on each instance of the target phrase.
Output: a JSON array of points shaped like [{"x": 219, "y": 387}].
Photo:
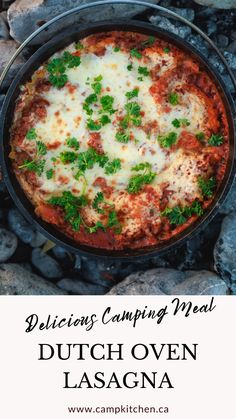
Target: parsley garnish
[
  {"x": 57, "y": 68},
  {"x": 129, "y": 67},
  {"x": 93, "y": 126},
  {"x": 34, "y": 166},
  {"x": 207, "y": 186},
  {"x": 122, "y": 137},
  {"x": 135, "y": 53},
  {"x": 167, "y": 140},
  {"x": 216, "y": 140},
  {"x": 133, "y": 115},
  {"x": 116, "y": 49},
  {"x": 87, "y": 159},
  {"x": 143, "y": 70},
  {"x": 78, "y": 46},
  {"x": 41, "y": 148},
  {"x": 68, "y": 157},
  {"x": 73, "y": 143},
  {"x": 104, "y": 119},
  {"x": 71, "y": 205},
  {"x": 173, "y": 98},
  {"x": 114, "y": 222},
  {"x": 99, "y": 198},
  {"x": 182, "y": 122},
  {"x": 31, "y": 134},
  {"x": 49, "y": 173},
  {"x": 97, "y": 85},
  {"x": 107, "y": 103},
  {"x": 178, "y": 215},
  {"x": 138, "y": 181},
  {"x": 167, "y": 50},
  {"x": 200, "y": 136},
  {"x": 113, "y": 166},
  {"x": 150, "y": 41},
  {"x": 71, "y": 60},
  {"x": 91, "y": 99},
  {"x": 133, "y": 93}
]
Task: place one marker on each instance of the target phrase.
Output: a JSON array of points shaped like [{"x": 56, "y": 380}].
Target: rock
[
  {"x": 231, "y": 58},
  {"x": 47, "y": 266},
  {"x": 8, "y": 244},
  {"x": 186, "y": 13},
  {"x": 232, "y": 47},
  {"x": 15, "y": 280},
  {"x": 198, "y": 42},
  {"x": 20, "y": 226},
  {"x": 211, "y": 27},
  {"x": 171, "y": 281},
  {"x": 38, "y": 240},
  {"x": 224, "y": 252},
  {"x": 233, "y": 35},
  {"x": 201, "y": 283},
  {"x": 219, "y": 4},
  {"x": 216, "y": 62},
  {"x": 8, "y": 48},
  {"x": 4, "y": 31},
  {"x": 178, "y": 29},
  {"x": 222, "y": 41},
  {"x": 229, "y": 204},
  {"x": 25, "y": 16},
  {"x": 81, "y": 287},
  {"x": 155, "y": 281}
]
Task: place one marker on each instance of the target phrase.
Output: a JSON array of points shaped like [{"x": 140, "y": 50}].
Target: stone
[
  {"x": 60, "y": 252},
  {"x": 211, "y": 27},
  {"x": 201, "y": 283},
  {"x": 38, "y": 239},
  {"x": 198, "y": 42},
  {"x": 188, "y": 14},
  {"x": 232, "y": 47},
  {"x": 46, "y": 265},
  {"x": 8, "y": 244},
  {"x": 77, "y": 287},
  {"x": 20, "y": 226},
  {"x": 25, "y": 16},
  {"x": 8, "y": 48},
  {"x": 15, "y": 280},
  {"x": 231, "y": 58},
  {"x": 4, "y": 30},
  {"x": 162, "y": 22},
  {"x": 224, "y": 252},
  {"x": 154, "y": 281},
  {"x": 229, "y": 204},
  {"x": 218, "y": 4},
  {"x": 222, "y": 41}
]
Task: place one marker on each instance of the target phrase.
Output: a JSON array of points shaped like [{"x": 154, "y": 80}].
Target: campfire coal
[{"x": 29, "y": 264}]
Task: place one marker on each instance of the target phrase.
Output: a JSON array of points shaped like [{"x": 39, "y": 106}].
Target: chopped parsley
[
  {"x": 178, "y": 215},
  {"x": 135, "y": 53},
  {"x": 216, "y": 140},
  {"x": 207, "y": 186},
  {"x": 107, "y": 103},
  {"x": 97, "y": 85},
  {"x": 113, "y": 222},
  {"x": 91, "y": 99},
  {"x": 143, "y": 70},
  {"x": 173, "y": 98},
  {"x": 167, "y": 140},
  {"x": 122, "y": 137},
  {"x": 68, "y": 157},
  {"x": 133, "y": 115},
  {"x": 71, "y": 60},
  {"x": 87, "y": 159},
  {"x": 150, "y": 41},
  {"x": 113, "y": 166},
  {"x": 31, "y": 134},
  {"x": 34, "y": 166},
  {"x": 78, "y": 46},
  {"x": 129, "y": 67},
  {"x": 41, "y": 148},
  {"x": 99, "y": 198},
  {"x": 116, "y": 49},
  {"x": 72, "y": 142},
  {"x": 71, "y": 205},
  {"x": 200, "y": 136},
  {"x": 138, "y": 181},
  {"x": 167, "y": 50},
  {"x": 182, "y": 122},
  {"x": 49, "y": 174},
  {"x": 93, "y": 126},
  {"x": 57, "y": 68},
  {"x": 133, "y": 93},
  {"x": 104, "y": 119}
]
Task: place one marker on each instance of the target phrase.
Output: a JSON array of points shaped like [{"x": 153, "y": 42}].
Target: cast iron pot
[{"x": 22, "y": 202}]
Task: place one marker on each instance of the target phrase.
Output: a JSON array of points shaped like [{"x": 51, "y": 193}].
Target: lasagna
[{"x": 120, "y": 140}]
